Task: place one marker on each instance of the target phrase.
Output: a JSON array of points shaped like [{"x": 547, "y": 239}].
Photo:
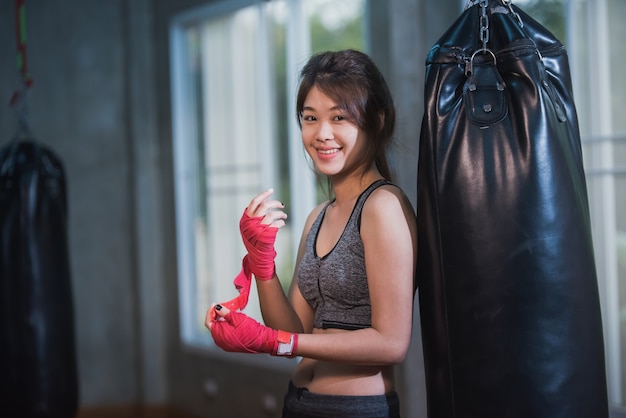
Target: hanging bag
[
  {"x": 38, "y": 374},
  {"x": 508, "y": 291}
]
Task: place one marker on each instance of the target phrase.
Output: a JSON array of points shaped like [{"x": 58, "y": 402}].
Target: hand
[
  {"x": 259, "y": 225},
  {"x": 236, "y": 332}
]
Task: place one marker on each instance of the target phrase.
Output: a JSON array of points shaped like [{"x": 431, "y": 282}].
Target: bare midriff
[{"x": 334, "y": 378}]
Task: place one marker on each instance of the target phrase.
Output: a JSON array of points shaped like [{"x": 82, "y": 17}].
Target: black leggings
[{"x": 300, "y": 403}]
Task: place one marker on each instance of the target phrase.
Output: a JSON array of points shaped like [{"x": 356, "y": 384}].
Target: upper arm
[{"x": 389, "y": 234}]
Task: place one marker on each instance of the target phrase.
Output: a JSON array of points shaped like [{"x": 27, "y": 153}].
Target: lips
[{"x": 327, "y": 153}]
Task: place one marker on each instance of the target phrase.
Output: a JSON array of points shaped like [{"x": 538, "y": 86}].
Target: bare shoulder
[
  {"x": 387, "y": 213},
  {"x": 386, "y": 201}
]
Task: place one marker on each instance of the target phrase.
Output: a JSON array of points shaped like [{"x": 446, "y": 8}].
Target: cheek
[
  {"x": 354, "y": 140},
  {"x": 360, "y": 148},
  {"x": 308, "y": 142},
  {"x": 307, "y": 134}
]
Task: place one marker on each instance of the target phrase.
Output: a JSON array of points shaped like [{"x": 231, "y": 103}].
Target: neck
[{"x": 347, "y": 188}]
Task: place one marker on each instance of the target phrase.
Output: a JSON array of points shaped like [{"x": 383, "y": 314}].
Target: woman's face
[{"x": 334, "y": 143}]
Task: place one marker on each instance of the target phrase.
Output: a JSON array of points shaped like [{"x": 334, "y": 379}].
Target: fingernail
[{"x": 218, "y": 307}]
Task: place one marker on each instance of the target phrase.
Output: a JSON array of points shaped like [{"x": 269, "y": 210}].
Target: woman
[{"x": 349, "y": 310}]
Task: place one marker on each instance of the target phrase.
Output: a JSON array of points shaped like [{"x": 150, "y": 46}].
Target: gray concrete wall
[
  {"x": 78, "y": 108},
  {"x": 101, "y": 102},
  {"x": 91, "y": 103}
]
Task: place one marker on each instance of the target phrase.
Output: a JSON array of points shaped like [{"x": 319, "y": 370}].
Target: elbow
[
  {"x": 399, "y": 357},
  {"x": 396, "y": 353},
  {"x": 393, "y": 347}
]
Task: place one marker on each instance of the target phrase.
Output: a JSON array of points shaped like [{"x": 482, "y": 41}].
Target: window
[
  {"x": 595, "y": 29},
  {"x": 234, "y": 70},
  {"x": 592, "y": 31}
]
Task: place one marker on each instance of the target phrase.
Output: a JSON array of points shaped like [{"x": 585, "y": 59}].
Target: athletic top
[{"x": 336, "y": 285}]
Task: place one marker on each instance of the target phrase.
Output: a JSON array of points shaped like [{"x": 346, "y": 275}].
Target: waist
[{"x": 333, "y": 378}]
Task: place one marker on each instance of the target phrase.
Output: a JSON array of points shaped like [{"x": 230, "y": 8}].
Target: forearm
[
  {"x": 366, "y": 346},
  {"x": 275, "y": 307}
]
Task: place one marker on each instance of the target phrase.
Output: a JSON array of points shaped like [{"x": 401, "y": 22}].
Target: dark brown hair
[{"x": 352, "y": 80}]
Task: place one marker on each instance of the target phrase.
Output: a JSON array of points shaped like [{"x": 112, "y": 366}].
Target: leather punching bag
[
  {"x": 508, "y": 290},
  {"x": 37, "y": 351}
]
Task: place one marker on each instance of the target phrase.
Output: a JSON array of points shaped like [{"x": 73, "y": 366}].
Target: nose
[{"x": 324, "y": 132}]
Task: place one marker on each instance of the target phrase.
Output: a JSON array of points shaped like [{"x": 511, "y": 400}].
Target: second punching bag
[
  {"x": 509, "y": 301},
  {"x": 38, "y": 376}
]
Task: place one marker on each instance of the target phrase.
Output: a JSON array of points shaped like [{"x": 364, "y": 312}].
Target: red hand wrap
[
  {"x": 242, "y": 283},
  {"x": 239, "y": 333},
  {"x": 259, "y": 241}
]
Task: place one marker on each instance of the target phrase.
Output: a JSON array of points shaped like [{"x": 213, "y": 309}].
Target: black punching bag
[
  {"x": 509, "y": 303},
  {"x": 37, "y": 351}
]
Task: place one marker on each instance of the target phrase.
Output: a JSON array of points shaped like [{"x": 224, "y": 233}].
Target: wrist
[
  {"x": 266, "y": 276},
  {"x": 287, "y": 344}
]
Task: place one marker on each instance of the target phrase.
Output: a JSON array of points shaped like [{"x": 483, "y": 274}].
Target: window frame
[{"x": 301, "y": 177}]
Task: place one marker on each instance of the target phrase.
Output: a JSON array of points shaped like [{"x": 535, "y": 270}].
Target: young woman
[{"x": 349, "y": 310}]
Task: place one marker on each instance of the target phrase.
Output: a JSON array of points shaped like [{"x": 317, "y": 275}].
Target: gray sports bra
[{"x": 336, "y": 285}]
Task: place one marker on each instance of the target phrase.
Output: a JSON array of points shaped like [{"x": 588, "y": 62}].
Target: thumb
[
  {"x": 214, "y": 314},
  {"x": 221, "y": 310}
]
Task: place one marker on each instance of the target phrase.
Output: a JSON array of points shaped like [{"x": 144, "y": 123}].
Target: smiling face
[
  {"x": 334, "y": 142},
  {"x": 350, "y": 116}
]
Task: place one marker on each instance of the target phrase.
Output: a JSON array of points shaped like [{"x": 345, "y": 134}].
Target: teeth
[{"x": 328, "y": 151}]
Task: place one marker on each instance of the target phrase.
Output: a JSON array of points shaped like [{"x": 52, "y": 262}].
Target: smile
[{"x": 328, "y": 151}]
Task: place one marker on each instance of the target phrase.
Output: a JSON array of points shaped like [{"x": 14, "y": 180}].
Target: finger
[
  {"x": 214, "y": 313},
  {"x": 275, "y": 218},
  {"x": 264, "y": 208},
  {"x": 221, "y": 310},
  {"x": 261, "y": 205},
  {"x": 209, "y": 318},
  {"x": 257, "y": 201},
  {"x": 278, "y": 223}
]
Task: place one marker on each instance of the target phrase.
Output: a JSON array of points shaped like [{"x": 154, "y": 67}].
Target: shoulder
[
  {"x": 387, "y": 209},
  {"x": 385, "y": 199}
]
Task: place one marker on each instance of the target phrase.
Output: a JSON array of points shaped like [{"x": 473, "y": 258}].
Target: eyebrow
[{"x": 312, "y": 109}]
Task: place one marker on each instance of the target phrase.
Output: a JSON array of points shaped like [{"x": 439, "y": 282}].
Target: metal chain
[
  {"x": 484, "y": 24},
  {"x": 509, "y": 5}
]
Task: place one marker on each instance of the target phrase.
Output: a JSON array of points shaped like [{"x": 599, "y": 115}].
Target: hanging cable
[
  {"x": 20, "y": 33},
  {"x": 18, "y": 99}
]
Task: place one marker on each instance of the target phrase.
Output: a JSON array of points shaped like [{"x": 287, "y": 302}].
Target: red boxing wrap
[
  {"x": 242, "y": 283},
  {"x": 238, "y": 333},
  {"x": 259, "y": 241}
]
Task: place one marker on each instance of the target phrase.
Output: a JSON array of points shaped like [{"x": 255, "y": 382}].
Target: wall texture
[
  {"x": 92, "y": 103},
  {"x": 78, "y": 108}
]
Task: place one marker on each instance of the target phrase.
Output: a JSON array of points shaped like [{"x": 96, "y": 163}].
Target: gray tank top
[{"x": 335, "y": 285}]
